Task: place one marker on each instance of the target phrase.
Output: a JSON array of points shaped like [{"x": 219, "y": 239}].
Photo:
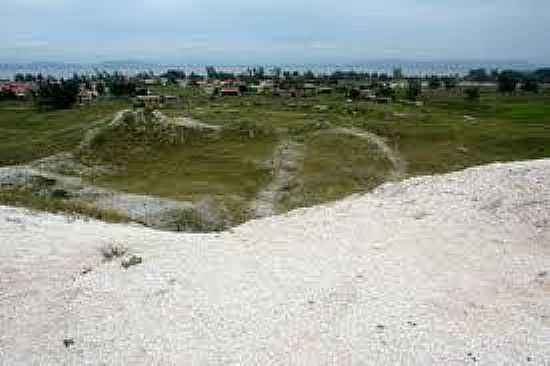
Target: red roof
[{"x": 17, "y": 88}]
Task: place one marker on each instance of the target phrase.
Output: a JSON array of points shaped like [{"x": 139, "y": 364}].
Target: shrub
[{"x": 472, "y": 94}]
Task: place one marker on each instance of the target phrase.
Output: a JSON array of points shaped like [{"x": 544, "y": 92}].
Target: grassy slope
[
  {"x": 28, "y": 134},
  {"x": 506, "y": 128},
  {"x": 337, "y": 165}
]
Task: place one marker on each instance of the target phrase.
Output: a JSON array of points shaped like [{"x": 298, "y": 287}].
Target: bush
[
  {"x": 472, "y": 94},
  {"x": 508, "y": 81},
  {"x": 434, "y": 82},
  {"x": 414, "y": 89},
  {"x": 450, "y": 83},
  {"x": 530, "y": 84}
]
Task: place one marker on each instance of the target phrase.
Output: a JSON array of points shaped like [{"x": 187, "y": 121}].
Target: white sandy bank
[{"x": 442, "y": 270}]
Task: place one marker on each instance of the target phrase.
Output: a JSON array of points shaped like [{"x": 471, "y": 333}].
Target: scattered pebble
[
  {"x": 132, "y": 261},
  {"x": 68, "y": 342}
]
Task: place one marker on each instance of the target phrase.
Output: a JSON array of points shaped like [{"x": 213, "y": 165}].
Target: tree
[
  {"x": 173, "y": 76},
  {"x": 543, "y": 75},
  {"x": 414, "y": 89},
  {"x": 478, "y": 75},
  {"x": 57, "y": 94},
  {"x": 397, "y": 73},
  {"x": 211, "y": 72},
  {"x": 119, "y": 85},
  {"x": 530, "y": 84},
  {"x": 309, "y": 75},
  {"x": 434, "y": 82},
  {"x": 384, "y": 91},
  {"x": 472, "y": 94},
  {"x": 508, "y": 81},
  {"x": 450, "y": 82},
  {"x": 276, "y": 72},
  {"x": 353, "y": 93},
  {"x": 100, "y": 87},
  {"x": 7, "y": 95}
]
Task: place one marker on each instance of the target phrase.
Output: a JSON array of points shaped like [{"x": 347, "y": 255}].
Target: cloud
[{"x": 284, "y": 30}]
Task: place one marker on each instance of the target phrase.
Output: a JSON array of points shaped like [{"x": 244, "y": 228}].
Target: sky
[{"x": 282, "y": 31}]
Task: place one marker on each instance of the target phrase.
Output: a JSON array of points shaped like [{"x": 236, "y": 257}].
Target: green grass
[
  {"x": 230, "y": 168},
  {"x": 210, "y": 166},
  {"x": 338, "y": 165},
  {"x": 28, "y": 134},
  {"x": 59, "y": 205}
]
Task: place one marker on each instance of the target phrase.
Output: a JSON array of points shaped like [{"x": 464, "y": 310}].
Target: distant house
[
  {"x": 383, "y": 100},
  {"x": 402, "y": 84},
  {"x": 147, "y": 101},
  {"x": 265, "y": 87},
  {"x": 234, "y": 92},
  {"x": 19, "y": 89},
  {"x": 284, "y": 93},
  {"x": 309, "y": 89},
  {"x": 169, "y": 99},
  {"x": 85, "y": 97},
  {"x": 325, "y": 90},
  {"x": 210, "y": 90},
  {"x": 150, "y": 82},
  {"x": 367, "y": 94},
  {"x": 477, "y": 84}
]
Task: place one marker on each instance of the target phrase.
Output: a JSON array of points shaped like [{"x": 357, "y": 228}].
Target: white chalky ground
[{"x": 444, "y": 270}]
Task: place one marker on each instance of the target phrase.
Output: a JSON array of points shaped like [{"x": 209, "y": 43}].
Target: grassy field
[
  {"x": 448, "y": 133},
  {"x": 28, "y": 134}
]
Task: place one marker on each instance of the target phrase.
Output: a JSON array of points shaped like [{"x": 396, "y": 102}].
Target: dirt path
[
  {"x": 399, "y": 164},
  {"x": 287, "y": 165},
  {"x": 98, "y": 127}
]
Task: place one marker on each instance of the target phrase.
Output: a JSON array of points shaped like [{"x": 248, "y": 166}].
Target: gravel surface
[{"x": 443, "y": 270}]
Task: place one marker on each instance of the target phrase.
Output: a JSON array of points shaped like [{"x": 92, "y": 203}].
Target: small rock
[
  {"x": 463, "y": 149},
  {"x": 471, "y": 356},
  {"x": 132, "y": 261},
  {"x": 113, "y": 250},
  {"x": 68, "y": 342},
  {"x": 412, "y": 324}
]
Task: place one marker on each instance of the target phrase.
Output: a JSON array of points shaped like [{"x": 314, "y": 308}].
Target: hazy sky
[{"x": 275, "y": 31}]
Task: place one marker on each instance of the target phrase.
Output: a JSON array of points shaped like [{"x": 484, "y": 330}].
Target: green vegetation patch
[
  {"x": 58, "y": 203},
  {"x": 336, "y": 165},
  {"x": 28, "y": 133}
]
